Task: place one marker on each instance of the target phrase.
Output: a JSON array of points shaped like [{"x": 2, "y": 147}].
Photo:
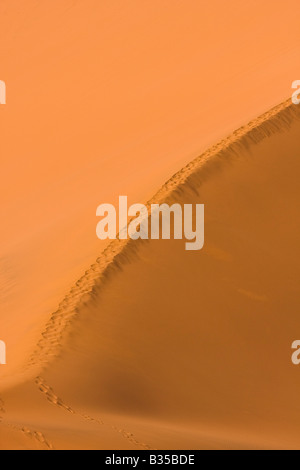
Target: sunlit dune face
[
  {"x": 107, "y": 98},
  {"x": 110, "y": 98}
]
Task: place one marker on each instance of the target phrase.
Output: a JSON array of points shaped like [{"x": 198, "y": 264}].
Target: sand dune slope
[
  {"x": 107, "y": 98},
  {"x": 158, "y": 347}
]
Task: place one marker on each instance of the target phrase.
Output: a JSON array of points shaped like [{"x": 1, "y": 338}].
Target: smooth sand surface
[
  {"x": 157, "y": 347},
  {"x": 109, "y": 98},
  {"x": 154, "y": 347}
]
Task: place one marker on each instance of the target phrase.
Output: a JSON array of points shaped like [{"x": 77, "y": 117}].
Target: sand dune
[
  {"x": 156, "y": 347},
  {"x": 152, "y": 347},
  {"x": 107, "y": 98}
]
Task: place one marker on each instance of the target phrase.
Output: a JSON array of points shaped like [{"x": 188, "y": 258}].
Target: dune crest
[
  {"x": 185, "y": 181},
  {"x": 155, "y": 348}
]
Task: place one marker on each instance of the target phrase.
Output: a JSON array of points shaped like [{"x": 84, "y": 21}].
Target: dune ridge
[
  {"x": 37, "y": 391},
  {"x": 120, "y": 252}
]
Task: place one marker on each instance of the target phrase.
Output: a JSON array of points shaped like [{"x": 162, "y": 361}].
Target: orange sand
[{"x": 176, "y": 349}]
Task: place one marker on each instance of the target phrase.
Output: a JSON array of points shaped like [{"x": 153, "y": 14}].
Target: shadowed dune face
[
  {"x": 203, "y": 338},
  {"x": 158, "y": 347}
]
